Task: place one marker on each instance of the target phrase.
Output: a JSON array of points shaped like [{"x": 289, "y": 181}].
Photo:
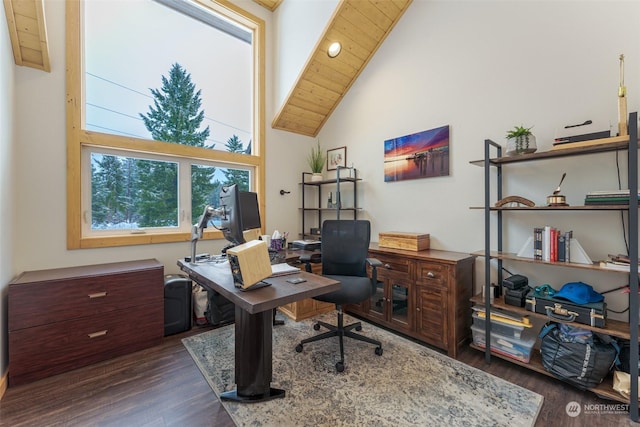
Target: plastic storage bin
[
  {"x": 510, "y": 346},
  {"x": 498, "y": 327}
]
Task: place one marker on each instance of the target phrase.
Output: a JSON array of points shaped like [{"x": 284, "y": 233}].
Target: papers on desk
[{"x": 283, "y": 269}]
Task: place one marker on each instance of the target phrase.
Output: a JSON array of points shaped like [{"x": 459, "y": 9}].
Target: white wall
[
  {"x": 483, "y": 67},
  {"x": 7, "y": 188},
  {"x": 298, "y": 25}
]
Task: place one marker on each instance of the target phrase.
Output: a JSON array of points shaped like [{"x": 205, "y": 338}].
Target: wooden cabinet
[
  {"x": 392, "y": 304},
  {"x": 62, "y": 319},
  {"x": 307, "y": 307},
  {"x": 423, "y": 294}
]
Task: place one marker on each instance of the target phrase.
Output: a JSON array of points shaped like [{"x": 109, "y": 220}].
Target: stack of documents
[{"x": 283, "y": 269}]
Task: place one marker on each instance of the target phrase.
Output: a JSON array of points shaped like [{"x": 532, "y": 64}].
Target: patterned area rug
[{"x": 409, "y": 385}]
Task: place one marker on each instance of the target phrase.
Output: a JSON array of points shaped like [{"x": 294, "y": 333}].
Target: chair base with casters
[{"x": 340, "y": 331}]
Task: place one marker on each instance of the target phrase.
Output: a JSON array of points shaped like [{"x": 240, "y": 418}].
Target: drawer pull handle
[
  {"x": 98, "y": 294},
  {"x": 387, "y": 266},
  {"x": 97, "y": 334},
  {"x": 430, "y": 274}
]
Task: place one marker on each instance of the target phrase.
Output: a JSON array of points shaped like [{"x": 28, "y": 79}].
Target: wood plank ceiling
[
  {"x": 360, "y": 26},
  {"x": 269, "y": 4},
  {"x": 28, "y": 33}
]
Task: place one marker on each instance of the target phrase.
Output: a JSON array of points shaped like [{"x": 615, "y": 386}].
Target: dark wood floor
[{"x": 162, "y": 386}]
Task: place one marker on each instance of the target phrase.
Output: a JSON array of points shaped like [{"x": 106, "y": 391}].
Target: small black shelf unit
[
  {"x": 629, "y": 145},
  {"x": 317, "y": 212}
]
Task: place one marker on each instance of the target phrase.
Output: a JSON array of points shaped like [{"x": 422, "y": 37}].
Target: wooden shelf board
[
  {"x": 604, "y": 389},
  {"x": 557, "y": 208},
  {"x": 514, "y": 257},
  {"x": 330, "y": 209},
  {"x": 330, "y": 181},
  {"x": 605, "y": 146}
]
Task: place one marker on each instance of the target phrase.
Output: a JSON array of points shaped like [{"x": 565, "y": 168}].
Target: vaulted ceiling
[
  {"x": 360, "y": 26},
  {"x": 28, "y": 33}
]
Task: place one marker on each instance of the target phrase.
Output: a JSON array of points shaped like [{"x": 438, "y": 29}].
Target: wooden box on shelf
[{"x": 403, "y": 240}]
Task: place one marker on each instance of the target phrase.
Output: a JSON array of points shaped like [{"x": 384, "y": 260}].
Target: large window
[{"x": 164, "y": 107}]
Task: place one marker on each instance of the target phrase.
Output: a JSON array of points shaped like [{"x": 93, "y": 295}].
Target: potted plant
[
  {"x": 520, "y": 140},
  {"x": 316, "y": 160}
]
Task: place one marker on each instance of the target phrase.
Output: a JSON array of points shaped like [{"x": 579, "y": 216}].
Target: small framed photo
[{"x": 336, "y": 157}]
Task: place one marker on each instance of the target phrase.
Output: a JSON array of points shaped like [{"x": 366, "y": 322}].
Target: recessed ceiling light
[{"x": 334, "y": 49}]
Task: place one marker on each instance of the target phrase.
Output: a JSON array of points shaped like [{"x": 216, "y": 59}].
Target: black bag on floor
[
  {"x": 578, "y": 356},
  {"x": 219, "y": 309}
]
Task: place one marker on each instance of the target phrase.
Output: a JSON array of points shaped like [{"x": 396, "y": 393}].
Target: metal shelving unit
[
  {"x": 631, "y": 146},
  {"x": 318, "y": 212}
]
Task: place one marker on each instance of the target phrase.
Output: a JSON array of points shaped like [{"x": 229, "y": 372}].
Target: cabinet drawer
[
  {"x": 50, "y": 349},
  {"x": 432, "y": 273},
  {"x": 41, "y": 303},
  {"x": 393, "y": 266}
]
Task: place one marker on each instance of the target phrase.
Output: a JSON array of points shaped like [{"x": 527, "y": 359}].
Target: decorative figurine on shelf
[
  {"x": 514, "y": 200},
  {"x": 556, "y": 199}
]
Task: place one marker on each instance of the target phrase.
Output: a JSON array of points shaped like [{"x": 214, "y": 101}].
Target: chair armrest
[
  {"x": 305, "y": 258},
  {"x": 309, "y": 258},
  {"x": 374, "y": 262}
]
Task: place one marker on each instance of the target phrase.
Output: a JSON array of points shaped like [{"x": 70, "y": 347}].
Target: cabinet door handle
[
  {"x": 97, "y": 334},
  {"x": 387, "y": 266},
  {"x": 417, "y": 308},
  {"x": 98, "y": 294},
  {"x": 431, "y": 275}
]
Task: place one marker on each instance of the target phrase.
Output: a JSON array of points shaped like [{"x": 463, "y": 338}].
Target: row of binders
[{"x": 553, "y": 245}]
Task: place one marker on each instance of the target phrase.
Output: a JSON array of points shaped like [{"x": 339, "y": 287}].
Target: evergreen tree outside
[
  {"x": 175, "y": 117},
  {"x": 236, "y": 176},
  {"x": 128, "y": 192},
  {"x": 108, "y": 198}
]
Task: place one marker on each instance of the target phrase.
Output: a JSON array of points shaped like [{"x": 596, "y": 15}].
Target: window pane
[
  {"x": 141, "y": 81},
  {"x": 206, "y": 183},
  {"x": 132, "y": 193}
]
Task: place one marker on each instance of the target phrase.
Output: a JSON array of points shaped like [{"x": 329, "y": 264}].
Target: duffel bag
[{"x": 578, "y": 356}]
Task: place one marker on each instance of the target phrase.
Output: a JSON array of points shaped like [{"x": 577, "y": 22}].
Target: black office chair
[{"x": 345, "y": 245}]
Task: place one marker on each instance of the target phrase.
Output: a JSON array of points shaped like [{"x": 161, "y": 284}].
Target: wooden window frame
[{"x": 78, "y": 137}]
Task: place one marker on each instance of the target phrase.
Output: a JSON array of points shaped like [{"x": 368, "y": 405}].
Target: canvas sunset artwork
[{"x": 420, "y": 155}]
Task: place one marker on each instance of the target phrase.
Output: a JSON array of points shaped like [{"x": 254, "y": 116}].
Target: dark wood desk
[{"x": 253, "y": 322}]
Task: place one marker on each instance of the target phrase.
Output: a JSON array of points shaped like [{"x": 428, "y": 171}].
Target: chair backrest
[{"x": 345, "y": 247}]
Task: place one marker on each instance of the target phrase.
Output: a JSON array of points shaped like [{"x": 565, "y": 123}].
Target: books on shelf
[
  {"x": 616, "y": 262},
  {"x": 607, "y": 197},
  {"x": 614, "y": 265},
  {"x": 552, "y": 245}
]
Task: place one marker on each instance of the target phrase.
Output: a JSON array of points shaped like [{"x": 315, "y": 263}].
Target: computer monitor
[
  {"x": 231, "y": 223},
  {"x": 250, "y": 210}
]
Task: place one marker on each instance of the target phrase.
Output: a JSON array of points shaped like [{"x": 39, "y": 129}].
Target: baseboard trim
[{"x": 3, "y": 384}]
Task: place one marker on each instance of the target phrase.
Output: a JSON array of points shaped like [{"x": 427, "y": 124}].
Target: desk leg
[{"x": 253, "y": 358}]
